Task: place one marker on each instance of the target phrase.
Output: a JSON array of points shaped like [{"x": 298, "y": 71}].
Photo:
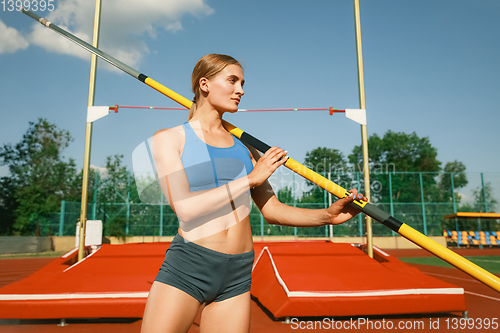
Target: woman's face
[{"x": 225, "y": 89}]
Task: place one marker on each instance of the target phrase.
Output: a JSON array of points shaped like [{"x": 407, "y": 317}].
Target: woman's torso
[{"x": 208, "y": 166}]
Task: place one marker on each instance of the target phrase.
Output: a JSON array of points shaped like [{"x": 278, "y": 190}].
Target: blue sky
[{"x": 431, "y": 67}]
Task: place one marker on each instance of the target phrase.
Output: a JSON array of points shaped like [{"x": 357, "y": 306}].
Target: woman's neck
[{"x": 209, "y": 119}]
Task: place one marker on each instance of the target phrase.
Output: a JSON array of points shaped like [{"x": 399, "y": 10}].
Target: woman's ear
[{"x": 204, "y": 84}]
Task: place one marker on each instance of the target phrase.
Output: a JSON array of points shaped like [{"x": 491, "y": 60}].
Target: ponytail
[{"x": 192, "y": 110}]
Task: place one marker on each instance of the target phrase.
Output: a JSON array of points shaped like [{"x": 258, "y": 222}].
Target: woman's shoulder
[
  {"x": 169, "y": 133},
  {"x": 169, "y": 136}
]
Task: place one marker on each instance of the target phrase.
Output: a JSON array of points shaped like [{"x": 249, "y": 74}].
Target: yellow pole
[
  {"x": 88, "y": 134},
  {"x": 364, "y": 135},
  {"x": 449, "y": 256}
]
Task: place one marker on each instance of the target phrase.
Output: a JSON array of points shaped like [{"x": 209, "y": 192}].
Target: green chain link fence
[{"x": 389, "y": 191}]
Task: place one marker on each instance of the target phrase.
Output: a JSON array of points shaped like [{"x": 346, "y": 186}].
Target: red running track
[{"x": 482, "y": 303}]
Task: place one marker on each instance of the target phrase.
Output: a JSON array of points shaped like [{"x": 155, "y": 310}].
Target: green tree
[
  {"x": 453, "y": 170},
  {"x": 323, "y": 160},
  {"x": 39, "y": 176},
  {"x": 8, "y": 205},
  {"x": 113, "y": 195},
  {"x": 399, "y": 152},
  {"x": 406, "y": 166},
  {"x": 482, "y": 198},
  {"x": 285, "y": 195}
]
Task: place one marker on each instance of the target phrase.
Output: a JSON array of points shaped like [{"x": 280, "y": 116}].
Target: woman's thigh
[
  {"x": 168, "y": 309},
  {"x": 231, "y": 315}
]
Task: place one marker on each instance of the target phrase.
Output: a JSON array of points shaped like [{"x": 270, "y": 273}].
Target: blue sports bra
[{"x": 208, "y": 167}]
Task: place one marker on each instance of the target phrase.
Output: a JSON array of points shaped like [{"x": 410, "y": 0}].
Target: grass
[
  {"x": 48, "y": 254},
  {"x": 489, "y": 263}
]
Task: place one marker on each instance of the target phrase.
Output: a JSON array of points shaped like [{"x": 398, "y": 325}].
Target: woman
[{"x": 208, "y": 176}]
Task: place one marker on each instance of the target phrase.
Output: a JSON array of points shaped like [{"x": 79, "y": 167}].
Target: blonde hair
[{"x": 208, "y": 67}]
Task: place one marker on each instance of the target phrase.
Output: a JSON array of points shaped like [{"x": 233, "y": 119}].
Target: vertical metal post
[
  {"x": 486, "y": 209},
  {"x": 360, "y": 219},
  {"x": 294, "y": 201},
  {"x": 261, "y": 225},
  {"x": 61, "y": 218},
  {"x": 128, "y": 203},
  {"x": 364, "y": 133},
  {"x": 479, "y": 229},
  {"x": 94, "y": 206},
  {"x": 484, "y": 194},
  {"x": 454, "y": 204},
  {"x": 423, "y": 203},
  {"x": 390, "y": 200},
  {"x": 453, "y": 193},
  {"x": 325, "y": 205},
  {"x": 88, "y": 133},
  {"x": 330, "y": 202}
]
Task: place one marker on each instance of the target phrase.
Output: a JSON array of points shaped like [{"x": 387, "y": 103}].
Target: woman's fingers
[
  {"x": 268, "y": 163},
  {"x": 353, "y": 196},
  {"x": 274, "y": 155},
  {"x": 280, "y": 157},
  {"x": 340, "y": 211},
  {"x": 357, "y": 196},
  {"x": 274, "y": 152}
]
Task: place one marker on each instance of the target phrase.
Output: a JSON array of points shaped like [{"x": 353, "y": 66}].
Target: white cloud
[
  {"x": 11, "y": 40},
  {"x": 53, "y": 42},
  {"x": 122, "y": 25}
]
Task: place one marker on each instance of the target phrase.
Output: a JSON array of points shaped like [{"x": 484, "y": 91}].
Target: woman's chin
[
  {"x": 226, "y": 109},
  {"x": 232, "y": 110}
]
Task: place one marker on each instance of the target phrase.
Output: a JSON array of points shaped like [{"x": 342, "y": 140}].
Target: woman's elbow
[
  {"x": 184, "y": 213},
  {"x": 271, "y": 212},
  {"x": 270, "y": 218}
]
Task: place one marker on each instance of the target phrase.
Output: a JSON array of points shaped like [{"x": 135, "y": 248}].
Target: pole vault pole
[{"x": 366, "y": 207}]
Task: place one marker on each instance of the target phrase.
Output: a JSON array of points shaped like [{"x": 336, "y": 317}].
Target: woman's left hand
[{"x": 341, "y": 211}]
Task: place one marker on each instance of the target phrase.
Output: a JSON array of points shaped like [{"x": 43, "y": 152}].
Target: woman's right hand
[{"x": 266, "y": 165}]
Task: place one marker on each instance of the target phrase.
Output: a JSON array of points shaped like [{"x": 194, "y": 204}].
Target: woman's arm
[{"x": 276, "y": 212}]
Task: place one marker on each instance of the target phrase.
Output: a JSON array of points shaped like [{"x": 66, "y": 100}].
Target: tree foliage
[
  {"x": 114, "y": 188},
  {"x": 323, "y": 160},
  {"x": 8, "y": 205},
  {"x": 454, "y": 177},
  {"x": 402, "y": 164},
  {"x": 399, "y": 152},
  {"x": 402, "y": 167},
  {"x": 39, "y": 176},
  {"x": 407, "y": 152},
  {"x": 484, "y": 201}
]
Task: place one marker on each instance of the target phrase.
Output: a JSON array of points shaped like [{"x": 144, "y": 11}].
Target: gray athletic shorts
[{"x": 207, "y": 275}]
